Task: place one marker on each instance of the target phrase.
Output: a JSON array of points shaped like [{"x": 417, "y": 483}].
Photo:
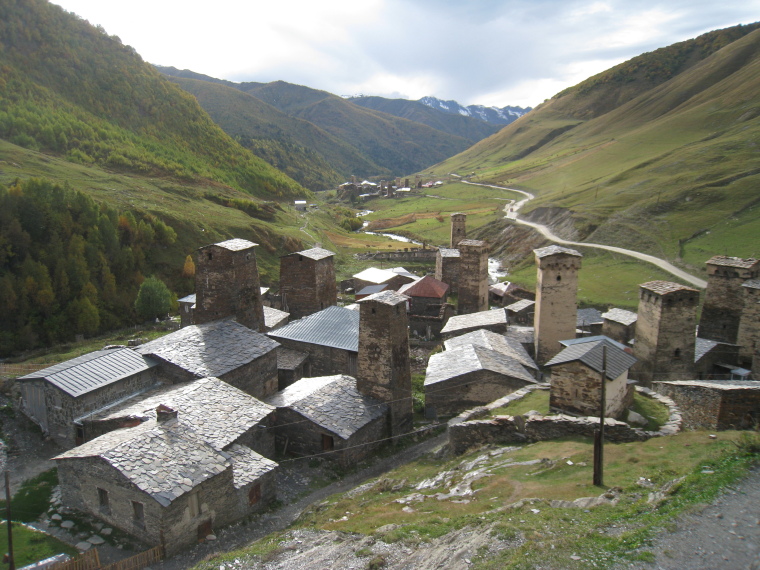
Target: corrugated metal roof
[
  {"x": 91, "y": 371},
  {"x": 375, "y": 275},
  {"x": 590, "y": 353},
  {"x": 334, "y": 326},
  {"x": 372, "y": 289}
]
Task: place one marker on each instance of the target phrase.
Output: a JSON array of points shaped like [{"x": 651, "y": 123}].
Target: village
[{"x": 173, "y": 439}]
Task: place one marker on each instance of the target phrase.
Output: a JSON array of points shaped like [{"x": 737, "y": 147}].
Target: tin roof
[
  {"x": 91, "y": 371},
  {"x": 372, "y": 289},
  {"x": 590, "y": 354},
  {"x": 375, "y": 275},
  {"x": 334, "y": 326}
]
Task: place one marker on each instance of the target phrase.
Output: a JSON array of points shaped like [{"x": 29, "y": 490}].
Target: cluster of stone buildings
[{"x": 178, "y": 436}]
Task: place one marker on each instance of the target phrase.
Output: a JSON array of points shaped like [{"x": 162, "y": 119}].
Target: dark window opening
[
  {"x": 254, "y": 495},
  {"x": 677, "y": 353},
  {"x": 328, "y": 443},
  {"x": 138, "y": 514},
  {"x": 103, "y": 502},
  {"x": 80, "y": 435},
  {"x": 559, "y": 277},
  {"x": 209, "y": 255}
]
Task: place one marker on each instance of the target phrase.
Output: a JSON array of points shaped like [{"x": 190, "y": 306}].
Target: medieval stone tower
[
  {"x": 473, "y": 276},
  {"x": 555, "y": 310},
  {"x": 665, "y": 332},
  {"x": 724, "y": 296},
  {"x": 227, "y": 284},
  {"x": 383, "y": 363},
  {"x": 307, "y": 282},
  {"x": 458, "y": 228},
  {"x": 749, "y": 325}
]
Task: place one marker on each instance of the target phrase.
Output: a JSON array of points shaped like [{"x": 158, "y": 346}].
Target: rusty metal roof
[{"x": 428, "y": 286}]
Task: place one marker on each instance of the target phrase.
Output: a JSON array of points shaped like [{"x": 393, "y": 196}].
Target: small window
[
  {"x": 559, "y": 277},
  {"x": 103, "y": 502},
  {"x": 194, "y": 505},
  {"x": 254, "y": 495},
  {"x": 209, "y": 255},
  {"x": 328, "y": 443},
  {"x": 138, "y": 514},
  {"x": 677, "y": 354}
]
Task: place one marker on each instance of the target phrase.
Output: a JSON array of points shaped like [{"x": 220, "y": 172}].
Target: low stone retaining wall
[{"x": 476, "y": 426}]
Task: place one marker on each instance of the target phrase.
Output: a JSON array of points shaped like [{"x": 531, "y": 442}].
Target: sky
[{"x": 487, "y": 52}]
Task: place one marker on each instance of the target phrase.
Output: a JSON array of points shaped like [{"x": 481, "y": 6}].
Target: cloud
[{"x": 480, "y": 51}]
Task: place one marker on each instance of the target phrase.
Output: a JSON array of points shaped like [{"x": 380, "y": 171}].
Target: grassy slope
[{"x": 671, "y": 163}]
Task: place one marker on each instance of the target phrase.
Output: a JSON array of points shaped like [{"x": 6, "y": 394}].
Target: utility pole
[
  {"x": 599, "y": 433},
  {"x": 11, "y": 562}
]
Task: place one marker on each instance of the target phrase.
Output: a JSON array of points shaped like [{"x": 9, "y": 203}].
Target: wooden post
[
  {"x": 11, "y": 563},
  {"x": 599, "y": 433}
]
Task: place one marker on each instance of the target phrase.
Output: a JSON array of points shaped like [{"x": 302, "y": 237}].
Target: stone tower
[
  {"x": 383, "y": 363},
  {"x": 724, "y": 296},
  {"x": 227, "y": 284},
  {"x": 749, "y": 324},
  {"x": 555, "y": 313},
  {"x": 665, "y": 332},
  {"x": 473, "y": 276},
  {"x": 458, "y": 228},
  {"x": 447, "y": 267},
  {"x": 307, "y": 282}
]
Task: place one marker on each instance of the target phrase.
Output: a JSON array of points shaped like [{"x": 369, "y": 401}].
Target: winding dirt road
[{"x": 511, "y": 213}]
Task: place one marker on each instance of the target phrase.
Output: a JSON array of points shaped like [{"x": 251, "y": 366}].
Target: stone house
[
  {"x": 424, "y": 293},
  {"x": 498, "y": 292},
  {"x": 186, "y": 309},
  {"x": 719, "y": 405},
  {"x": 224, "y": 349},
  {"x": 56, "y": 396},
  {"x": 330, "y": 337},
  {"x": 619, "y": 325},
  {"x": 715, "y": 360},
  {"x": 494, "y": 320},
  {"x": 576, "y": 377},
  {"x": 588, "y": 322},
  {"x": 447, "y": 268},
  {"x": 272, "y": 317},
  {"x": 505, "y": 344},
  {"x": 162, "y": 483},
  {"x": 470, "y": 375},
  {"x": 307, "y": 281},
  {"x": 329, "y": 417},
  {"x": 521, "y": 312}
]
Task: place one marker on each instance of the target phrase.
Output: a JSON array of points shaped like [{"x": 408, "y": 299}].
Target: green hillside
[
  {"x": 469, "y": 128},
  {"x": 398, "y": 145},
  {"x": 657, "y": 154},
  {"x": 305, "y": 152}
]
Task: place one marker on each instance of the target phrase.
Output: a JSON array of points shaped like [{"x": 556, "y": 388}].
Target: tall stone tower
[
  {"x": 227, "y": 284},
  {"x": 555, "y": 310},
  {"x": 307, "y": 282},
  {"x": 458, "y": 228},
  {"x": 724, "y": 297},
  {"x": 447, "y": 267},
  {"x": 749, "y": 324},
  {"x": 665, "y": 332},
  {"x": 383, "y": 363},
  {"x": 473, "y": 276}
]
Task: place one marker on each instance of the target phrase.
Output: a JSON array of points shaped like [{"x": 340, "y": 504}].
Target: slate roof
[
  {"x": 236, "y": 244},
  {"x": 428, "y": 286},
  {"x": 621, "y": 316},
  {"x": 753, "y": 385},
  {"x": 187, "y": 299},
  {"x": 520, "y": 305},
  {"x": 501, "y": 288},
  {"x": 315, "y": 253},
  {"x": 494, "y": 341},
  {"x": 523, "y": 335},
  {"x": 289, "y": 359},
  {"x": 451, "y": 364},
  {"x": 247, "y": 465},
  {"x": 586, "y": 317},
  {"x": 752, "y": 283},
  {"x": 727, "y": 261},
  {"x": 91, "y": 371},
  {"x": 449, "y": 252},
  {"x": 471, "y": 243},
  {"x": 590, "y": 354},
  {"x": 274, "y": 318},
  {"x": 334, "y": 326},
  {"x": 217, "y": 412},
  {"x": 665, "y": 287},
  {"x": 210, "y": 349},
  {"x": 474, "y": 320},
  {"x": 375, "y": 275},
  {"x": 702, "y": 346},
  {"x": 388, "y": 297},
  {"x": 554, "y": 250},
  {"x": 164, "y": 460},
  {"x": 332, "y": 402}
]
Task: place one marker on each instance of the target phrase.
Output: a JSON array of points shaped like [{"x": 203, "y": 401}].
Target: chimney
[{"x": 165, "y": 414}]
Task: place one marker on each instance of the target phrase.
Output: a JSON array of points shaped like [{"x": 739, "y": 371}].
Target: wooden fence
[{"x": 91, "y": 561}]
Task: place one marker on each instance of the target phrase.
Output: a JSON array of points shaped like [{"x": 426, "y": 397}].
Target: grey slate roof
[
  {"x": 554, "y": 250},
  {"x": 473, "y": 320},
  {"x": 590, "y": 354},
  {"x": 595, "y": 338},
  {"x": 586, "y": 317},
  {"x": 702, "y": 346},
  {"x": 218, "y": 412},
  {"x": 752, "y": 283},
  {"x": 495, "y": 341},
  {"x": 388, "y": 297},
  {"x": 449, "y": 252},
  {"x": 334, "y": 326},
  {"x": 621, "y": 316},
  {"x": 520, "y": 305},
  {"x": 274, "y": 318},
  {"x": 163, "y": 460},
  {"x": 91, "y": 371},
  {"x": 727, "y": 261},
  {"x": 315, "y": 253},
  {"x": 523, "y": 335},
  {"x": 332, "y": 402},
  {"x": 665, "y": 287},
  {"x": 289, "y": 359},
  {"x": 451, "y": 364},
  {"x": 753, "y": 385},
  {"x": 236, "y": 244},
  {"x": 247, "y": 465},
  {"x": 210, "y": 349},
  {"x": 187, "y": 299}
]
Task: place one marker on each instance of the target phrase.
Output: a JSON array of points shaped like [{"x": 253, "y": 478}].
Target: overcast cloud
[{"x": 490, "y": 52}]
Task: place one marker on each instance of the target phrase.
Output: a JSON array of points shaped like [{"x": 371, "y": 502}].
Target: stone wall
[
  {"x": 576, "y": 389},
  {"x": 407, "y": 254},
  {"x": 749, "y": 326},
  {"x": 257, "y": 378},
  {"x": 477, "y": 388},
  {"x": 307, "y": 285},
  {"x": 324, "y": 360},
  {"x": 618, "y": 331},
  {"x": 447, "y": 270},
  {"x": 476, "y": 427}
]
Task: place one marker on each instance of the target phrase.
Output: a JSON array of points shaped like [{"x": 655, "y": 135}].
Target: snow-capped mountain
[{"x": 491, "y": 115}]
